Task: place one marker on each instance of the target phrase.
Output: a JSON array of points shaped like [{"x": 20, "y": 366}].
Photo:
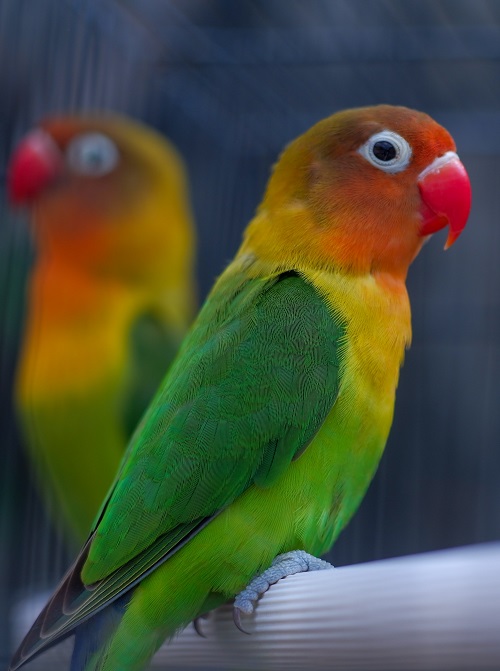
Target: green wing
[
  {"x": 250, "y": 388},
  {"x": 153, "y": 345},
  {"x": 252, "y": 384}
]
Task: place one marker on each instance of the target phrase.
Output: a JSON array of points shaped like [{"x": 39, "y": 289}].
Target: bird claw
[
  {"x": 237, "y": 620},
  {"x": 197, "y": 625},
  {"x": 283, "y": 565}
]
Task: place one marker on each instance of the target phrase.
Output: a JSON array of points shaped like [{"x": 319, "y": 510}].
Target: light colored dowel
[{"x": 432, "y": 612}]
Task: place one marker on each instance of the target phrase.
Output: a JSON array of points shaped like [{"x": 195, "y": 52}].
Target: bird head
[
  {"x": 363, "y": 189},
  {"x": 105, "y": 191}
]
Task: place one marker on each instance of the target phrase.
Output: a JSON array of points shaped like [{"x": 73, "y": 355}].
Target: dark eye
[
  {"x": 384, "y": 150},
  {"x": 387, "y": 151},
  {"x": 92, "y": 154}
]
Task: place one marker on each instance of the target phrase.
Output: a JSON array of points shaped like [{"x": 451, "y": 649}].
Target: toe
[{"x": 283, "y": 565}]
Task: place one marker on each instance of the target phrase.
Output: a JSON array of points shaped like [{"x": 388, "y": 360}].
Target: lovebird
[
  {"x": 268, "y": 427},
  {"x": 109, "y": 300}
]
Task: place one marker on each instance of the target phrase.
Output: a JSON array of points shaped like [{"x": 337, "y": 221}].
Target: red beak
[
  {"x": 35, "y": 164},
  {"x": 446, "y": 193}
]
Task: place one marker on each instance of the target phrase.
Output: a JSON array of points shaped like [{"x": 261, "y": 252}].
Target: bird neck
[
  {"x": 137, "y": 251},
  {"x": 63, "y": 292},
  {"x": 293, "y": 233}
]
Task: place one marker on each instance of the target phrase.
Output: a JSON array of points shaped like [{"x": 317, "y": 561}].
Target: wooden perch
[{"x": 431, "y": 612}]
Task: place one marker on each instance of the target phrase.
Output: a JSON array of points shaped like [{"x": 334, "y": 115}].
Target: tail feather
[
  {"x": 74, "y": 603},
  {"x": 50, "y": 627},
  {"x": 92, "y": 636}
]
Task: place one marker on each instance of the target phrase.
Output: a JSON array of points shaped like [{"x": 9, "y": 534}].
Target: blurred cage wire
[{"x": 230, "y": 83}]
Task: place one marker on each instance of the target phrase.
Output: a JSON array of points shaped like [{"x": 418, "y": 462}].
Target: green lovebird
[
  {"x": 269, "y": 425},
  {"x": 110, "y": 298}
]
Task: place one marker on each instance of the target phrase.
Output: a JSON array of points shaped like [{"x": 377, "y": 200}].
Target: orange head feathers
[
  {"x": 360, "y": 191},
  {"x": 108, "y": 194}
]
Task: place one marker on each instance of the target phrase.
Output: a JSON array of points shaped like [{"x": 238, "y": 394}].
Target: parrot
[
  {"x": 268, "y": 427},
  {"x": 110, "y": 297}
]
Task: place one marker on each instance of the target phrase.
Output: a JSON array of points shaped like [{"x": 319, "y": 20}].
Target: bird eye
[
  {"x": 92, "y": 154},
  {"x": 387, "y": 151}
]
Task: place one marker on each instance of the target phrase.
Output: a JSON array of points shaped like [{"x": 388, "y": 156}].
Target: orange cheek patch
[{"x": 374, "y": 227}]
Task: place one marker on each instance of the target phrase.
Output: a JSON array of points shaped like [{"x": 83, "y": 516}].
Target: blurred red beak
[
  {"x": 36, "y": 163},
  {"x": 445, "y": 190}
]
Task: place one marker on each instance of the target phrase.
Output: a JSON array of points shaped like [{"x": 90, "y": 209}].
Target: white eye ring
[
  {"x": 397, "y": 154},
  {"x": 92, "y": 154}
]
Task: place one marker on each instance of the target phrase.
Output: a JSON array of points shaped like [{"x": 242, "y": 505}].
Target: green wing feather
[
  {"x": 153, "y": 346},
  {"x": 252, "y": 384}
]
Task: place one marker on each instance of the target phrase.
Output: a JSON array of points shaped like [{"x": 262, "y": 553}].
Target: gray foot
[{"x": 283, "y": 565}]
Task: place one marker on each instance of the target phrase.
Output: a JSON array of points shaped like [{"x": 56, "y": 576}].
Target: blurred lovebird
[
  {"x": 270, "y": 424},
  {"x": 110, "y": 297}
]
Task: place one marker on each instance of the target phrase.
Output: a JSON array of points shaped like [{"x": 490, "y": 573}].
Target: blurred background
[{"x": 230, "y": 83}]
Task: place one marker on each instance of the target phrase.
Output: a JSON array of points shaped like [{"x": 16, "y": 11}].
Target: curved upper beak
[
  {"x": 36, "y": 163},
  {"x": 446, "y": 194}
]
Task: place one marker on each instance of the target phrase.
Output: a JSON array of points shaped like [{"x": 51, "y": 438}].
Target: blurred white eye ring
[
  {"x": 92, "y": 154},
  {"x": 397, "y": 151}
]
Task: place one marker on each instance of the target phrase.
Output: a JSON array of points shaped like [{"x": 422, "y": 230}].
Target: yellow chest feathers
[{"x": 377, "y": 319}]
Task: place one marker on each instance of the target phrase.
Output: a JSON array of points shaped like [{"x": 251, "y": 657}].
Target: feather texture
[{"x": 270, "y": 424}]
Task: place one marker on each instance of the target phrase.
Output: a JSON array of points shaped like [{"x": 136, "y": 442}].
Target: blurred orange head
[{"x": 106, "y": 192}]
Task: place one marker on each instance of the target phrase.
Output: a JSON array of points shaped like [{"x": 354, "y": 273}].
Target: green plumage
[
  {"x": 153, "y": 346},
  {"x": 271, "y": 422},
  {"x": 251, "y": 386}
]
